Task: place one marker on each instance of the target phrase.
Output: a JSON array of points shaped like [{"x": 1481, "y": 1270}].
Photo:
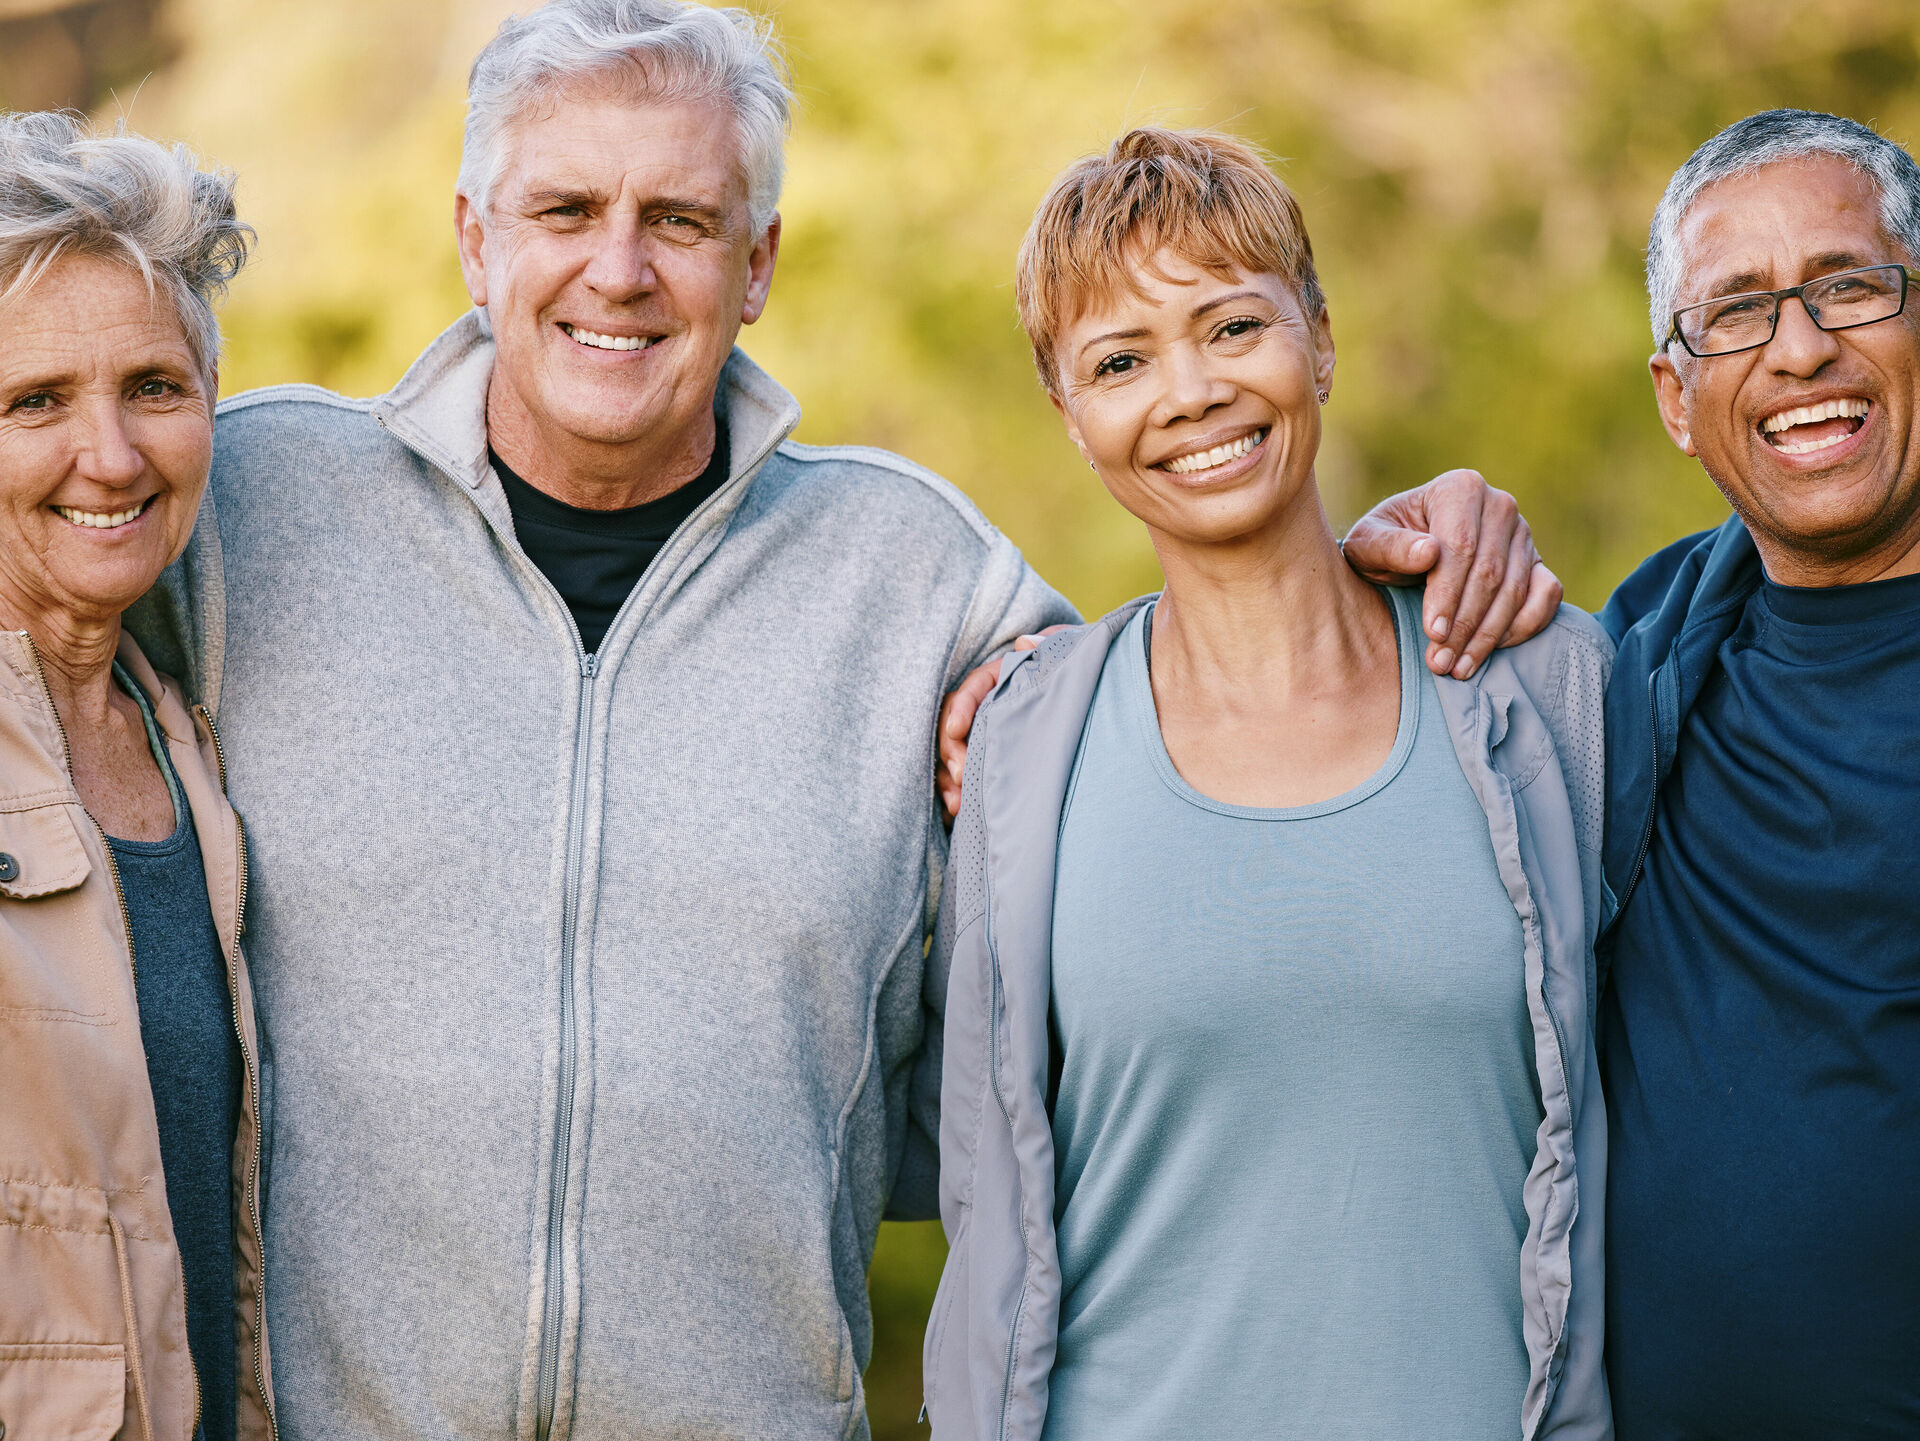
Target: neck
[
  {"x": 76, "y": 656},
  {"x": 1280, "y": 612},
  {"x": 596, "y": 475},
  {"x": 1897, "y": 555}
]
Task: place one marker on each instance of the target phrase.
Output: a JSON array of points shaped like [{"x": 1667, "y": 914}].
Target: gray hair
[
  {"x": 67, "y": 190},
  {"x": 668, "y": 50},
  {"x": 1766, "y": 139}
]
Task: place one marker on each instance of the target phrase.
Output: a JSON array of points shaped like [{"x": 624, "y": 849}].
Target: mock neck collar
[{"x": 439, "y": 408}]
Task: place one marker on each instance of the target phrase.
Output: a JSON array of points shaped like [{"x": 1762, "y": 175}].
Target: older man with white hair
[
  {"x": 586, "y": 728},
  {"x": 590, "y": 800}
]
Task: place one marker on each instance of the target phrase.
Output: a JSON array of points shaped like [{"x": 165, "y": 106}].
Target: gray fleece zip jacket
[
  {"x": 589, "y": 987},
  {"x": 1528, "y": 730}
]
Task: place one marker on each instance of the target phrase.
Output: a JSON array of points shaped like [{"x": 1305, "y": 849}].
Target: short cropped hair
[
  {"x": 67, "y": 190},
  {"x": 1207, "y": 197},
  {"x": 1766, "y": 139},
  {"x": 662, "y": 50}
]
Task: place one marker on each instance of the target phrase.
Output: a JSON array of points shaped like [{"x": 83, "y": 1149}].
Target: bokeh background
[{"x": 1477, "y": 175}]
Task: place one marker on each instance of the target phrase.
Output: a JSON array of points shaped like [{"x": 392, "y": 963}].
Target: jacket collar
[{"x": 439, "y": 408}]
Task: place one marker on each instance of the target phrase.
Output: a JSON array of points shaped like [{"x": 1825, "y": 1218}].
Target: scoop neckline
[{"x": 1140, "y": 682}]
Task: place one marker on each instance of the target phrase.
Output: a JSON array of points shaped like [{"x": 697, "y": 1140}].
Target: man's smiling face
[
  {"x": 617, "y": 262},
  {"x": 1814, "y": 438}
]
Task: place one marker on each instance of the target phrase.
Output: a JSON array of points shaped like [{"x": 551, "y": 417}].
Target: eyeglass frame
[{"x": 1780, "y": 299}]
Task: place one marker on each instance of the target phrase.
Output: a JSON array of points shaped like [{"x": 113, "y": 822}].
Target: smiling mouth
[
  {"x": 1201, "y": 461},
  {"x": 598, "y": 341},
  {"x": 1809, "y": 428},
  {"x": 103, "y": 520}
]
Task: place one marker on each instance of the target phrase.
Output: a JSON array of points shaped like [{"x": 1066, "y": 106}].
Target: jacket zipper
[
  {"x": 253, "y": 1089},
  {"x": 133, "y": 961},
  {"x": 555, "y": 1311},
  {"x": 1653, "y": 800},
  {"x": 553, "y": 1308}
]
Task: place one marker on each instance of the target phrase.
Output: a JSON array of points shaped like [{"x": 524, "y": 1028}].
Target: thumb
[{"x": 1387, "y": 553}]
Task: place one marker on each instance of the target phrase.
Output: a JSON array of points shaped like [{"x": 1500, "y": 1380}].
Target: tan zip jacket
[{"x": 93, "y": 1328}]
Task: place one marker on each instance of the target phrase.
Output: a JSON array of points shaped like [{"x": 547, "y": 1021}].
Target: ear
[
  {"x": 1073, "y": 426},
  {"x": 1323, "y": 345},
  {"x": 469, "y": 234},
  {"x": 1670, "y": 394},
  {"x": 766, "y": 251}
]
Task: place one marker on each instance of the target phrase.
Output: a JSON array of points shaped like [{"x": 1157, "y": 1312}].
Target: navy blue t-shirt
[
  {"x": 1761, "y": 1044},
  {"x": 195, "y": 1068}
]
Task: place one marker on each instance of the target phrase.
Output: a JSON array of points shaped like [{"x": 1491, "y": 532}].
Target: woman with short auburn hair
[
  {"x": 130, "y": 1265},
  {"x": 1269, "y": 1103}
]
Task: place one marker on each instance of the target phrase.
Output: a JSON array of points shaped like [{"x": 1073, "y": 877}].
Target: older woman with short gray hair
[{"x": 129, "y": 1119}]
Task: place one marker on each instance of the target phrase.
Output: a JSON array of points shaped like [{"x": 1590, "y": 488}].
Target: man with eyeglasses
[{"x": 1761, "y": 952}]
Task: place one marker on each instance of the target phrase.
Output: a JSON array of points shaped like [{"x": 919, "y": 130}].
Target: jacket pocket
[
  {"x": 62, "y": 1391},
  {"x": 53, "y": 950}
]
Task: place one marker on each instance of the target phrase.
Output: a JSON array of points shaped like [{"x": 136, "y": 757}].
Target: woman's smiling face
[
  {"x": 1196, "y": 396},
  {"x": 106, "y": 436}
]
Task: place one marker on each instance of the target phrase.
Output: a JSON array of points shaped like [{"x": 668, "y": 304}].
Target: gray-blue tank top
[{"x": 1297, "y": 1099}]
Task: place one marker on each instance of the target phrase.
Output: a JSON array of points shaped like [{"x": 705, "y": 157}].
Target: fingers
[
  {"x": 1504, "y": 607},
  {"x": 957, "y": 714},
  {"x": 1386, "y": 553},
  {"x": 956, "y": 724},
  {"x": 1544, "y": 593},
  {"x": 1457, "y": 598}
]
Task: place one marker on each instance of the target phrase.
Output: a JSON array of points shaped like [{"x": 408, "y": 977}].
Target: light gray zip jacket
[
  {"x": 590, "y": 989},
  {"x": 1528, "y": 732}
]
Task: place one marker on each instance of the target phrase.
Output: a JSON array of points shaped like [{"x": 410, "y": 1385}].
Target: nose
[
  {"x": 105, "y": 452},
  {"x": 1799, "y": 347},
  {"x": 1190, "y": 387},
  {"x": 622, "y": 265}
]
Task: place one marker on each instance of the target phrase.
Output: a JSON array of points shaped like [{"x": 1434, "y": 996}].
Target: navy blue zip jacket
[{"x": 1667, "y": 620}]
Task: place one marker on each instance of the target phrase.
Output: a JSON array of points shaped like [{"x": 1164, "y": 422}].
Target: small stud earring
[
  {"x": 1323, "y": 397},
  {"x": 1092, "y": 466}
]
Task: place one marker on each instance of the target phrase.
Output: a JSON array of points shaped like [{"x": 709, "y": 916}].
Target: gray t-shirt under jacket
[{"x": 1297, "y": 1098}]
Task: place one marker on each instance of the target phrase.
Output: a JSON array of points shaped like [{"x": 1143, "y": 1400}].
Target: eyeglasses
[{"x": 1834, "y": 302}]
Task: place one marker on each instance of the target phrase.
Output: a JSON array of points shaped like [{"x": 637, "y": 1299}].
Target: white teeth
[
  {"x": 1812, "y": 415},
  {"x": 96, "y": 520},
  {"x": 1219, "y": 455},
  {"x": 609, "y": 342},
  {"x": 1802, "y": 447}
]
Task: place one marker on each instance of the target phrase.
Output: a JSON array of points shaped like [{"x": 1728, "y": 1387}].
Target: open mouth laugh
[{"x": 1807, "y": 429}]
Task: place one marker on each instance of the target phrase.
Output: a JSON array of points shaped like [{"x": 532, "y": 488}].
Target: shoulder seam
[
  {"x": 292, "y": 393},
  {"x": 879, "y": 459}
]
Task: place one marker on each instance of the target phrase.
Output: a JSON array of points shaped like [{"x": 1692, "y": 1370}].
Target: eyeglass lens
[{"x": 1835, "y": 302}]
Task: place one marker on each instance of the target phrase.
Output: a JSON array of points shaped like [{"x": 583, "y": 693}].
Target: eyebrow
[
  {"x": 1753, "y": 280},
  {"x": 1218, "y": 301},
  {"x": 685, "y": 207},
  {"x": 1111, "y": 335},
  {"x": 562, "y": 197},
  {"x": 1194, "y": 314}
]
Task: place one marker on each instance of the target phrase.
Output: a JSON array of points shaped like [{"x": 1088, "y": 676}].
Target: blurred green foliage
[{"x": 1477, "y": 175}]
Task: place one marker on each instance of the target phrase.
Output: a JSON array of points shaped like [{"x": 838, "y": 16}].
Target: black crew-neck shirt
[
  {"x": 1761, "y": 1044},
  {"x": 596, "y": 557}
]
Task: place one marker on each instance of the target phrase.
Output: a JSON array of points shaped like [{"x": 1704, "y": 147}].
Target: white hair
[
  {"x": 66, "y": 190},
  {"x": 1766, "y": 139},
  {"x": 667, "y": 50}
]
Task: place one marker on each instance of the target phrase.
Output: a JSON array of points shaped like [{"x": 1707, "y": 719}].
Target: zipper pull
[{"x": 589, "y": 666}]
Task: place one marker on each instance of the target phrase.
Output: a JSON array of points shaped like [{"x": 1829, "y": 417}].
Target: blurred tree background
[{"x": 1477, "y": 174}]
